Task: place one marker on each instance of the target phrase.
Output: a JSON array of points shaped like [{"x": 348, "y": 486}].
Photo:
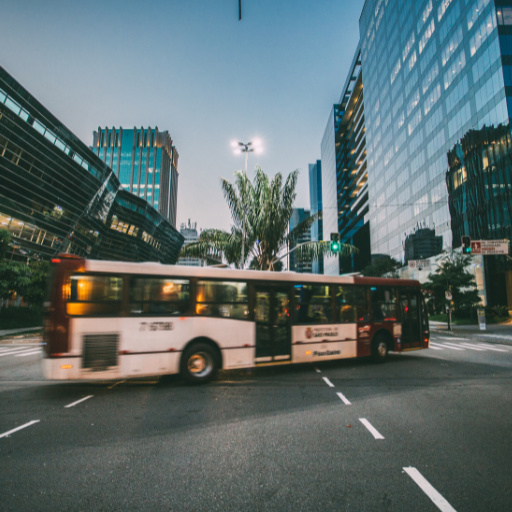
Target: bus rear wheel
[
  {"x": 199, "y": 363},
  {"x": 379, "y": 349}
]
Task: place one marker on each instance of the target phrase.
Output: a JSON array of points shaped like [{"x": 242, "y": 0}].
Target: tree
[
  {"x": 266, "y": 208},
  {"x": 14, "y": 279},
  {"x": 34, "y": 291},
  {"x": 381, "y": 267},
  {"x": 451, "y": 275},
  {"x": 5, "y": 239}
]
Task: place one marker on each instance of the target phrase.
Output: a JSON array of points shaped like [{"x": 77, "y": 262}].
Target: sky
[{"x": 192, "y": 68}]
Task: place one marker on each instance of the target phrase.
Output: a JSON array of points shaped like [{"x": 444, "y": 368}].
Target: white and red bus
[{"x": 109, "y": 320}]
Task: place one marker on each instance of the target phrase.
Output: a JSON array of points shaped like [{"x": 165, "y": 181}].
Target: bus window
[
  {"x": 94, "y": 295},
  {"x": 384, "y": 307},
  {"x": 222, "y": 299},
  {"x": 313, "y": 304},
  {"x": 352, "y": 304},
  {"x": 159, "y": 296}
]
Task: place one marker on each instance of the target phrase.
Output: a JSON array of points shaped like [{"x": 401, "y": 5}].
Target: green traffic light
[{"x": 335, "y": 246}]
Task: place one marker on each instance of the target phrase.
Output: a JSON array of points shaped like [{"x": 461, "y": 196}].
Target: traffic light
[
  {"x": 466, "y": 245},
  {"x": 335, "y": 242}
]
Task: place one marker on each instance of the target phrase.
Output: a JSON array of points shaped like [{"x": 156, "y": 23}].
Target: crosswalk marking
[
  {"x": 15, "y": 351},
  {"x": 24, "y": 354},
  {"x": 447, "y": 346},
  {"x": 489, "y": 347},
  {"x": 471, "y": 347}
]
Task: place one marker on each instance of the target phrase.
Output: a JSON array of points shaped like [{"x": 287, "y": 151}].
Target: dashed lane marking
[
  {"x": 343, "y": 398},
  {"x": 5, "y": 434},
  {"x": 427, "y": 488},
  {"x": 78, "y": 401},
  {"x": 317, "y": 370},
  {"x": 374, "y": 432},
  {"x": 328, "y": 382}
]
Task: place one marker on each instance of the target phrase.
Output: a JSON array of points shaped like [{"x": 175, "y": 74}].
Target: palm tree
[{"x": 267, "y": 207}]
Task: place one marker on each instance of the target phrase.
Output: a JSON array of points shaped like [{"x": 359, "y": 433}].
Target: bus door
[
  {"x": 273, "y": 326},
  {"x": 410, "y": 305}
]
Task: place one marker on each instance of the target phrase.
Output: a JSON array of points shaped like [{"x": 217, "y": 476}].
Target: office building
[
  {"x": 433, "y": 71},
  {"x": 345, "y": 175},
  {"x": 479, "y": 181},
  {"x": 57, "y": 196},
  {"x": 299, "y": 215},
  {"x": 190, "y": 234},
  {"x": 315, "y": 200},
  {"x": 146, "y": 163}
]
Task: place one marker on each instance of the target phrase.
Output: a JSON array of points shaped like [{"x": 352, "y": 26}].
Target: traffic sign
[
  {"x": 489, "y": 247},
  {"x": 419, "y": 264}
]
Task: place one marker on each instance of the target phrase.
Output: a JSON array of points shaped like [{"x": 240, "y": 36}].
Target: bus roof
[{"x": 152, "y": 268}]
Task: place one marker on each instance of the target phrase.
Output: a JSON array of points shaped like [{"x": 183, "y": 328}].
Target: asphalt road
[{"x": 437, "y": 429}]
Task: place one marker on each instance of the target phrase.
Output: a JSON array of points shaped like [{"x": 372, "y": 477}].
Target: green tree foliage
[
  {"x": 5, "y": 238},
  {"x": 266, "y": 208},
  {"x": 35, "y": 291},
  {"x": 451, "y": 275},
  {"x": 14, "y": 279},
  {"x": 381, "y": 267}
]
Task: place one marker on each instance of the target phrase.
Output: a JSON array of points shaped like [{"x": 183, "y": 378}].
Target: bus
[{"x": 110, "y": 320}]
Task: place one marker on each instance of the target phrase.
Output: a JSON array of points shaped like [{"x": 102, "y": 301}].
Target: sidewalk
[{"x": 18, "y": 332}]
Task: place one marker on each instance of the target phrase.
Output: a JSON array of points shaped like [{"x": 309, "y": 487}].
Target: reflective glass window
[
  {"x": 352, "y": 304},
  {"x": 159, "y": 296},
  {"x": 383, "y": 301},
  {"x": 226, "y": 299},
  {"x": 313, "y": 304},
  {"x": 93, "y": 295}
]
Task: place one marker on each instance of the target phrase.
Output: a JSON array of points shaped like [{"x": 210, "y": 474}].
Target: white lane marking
[
  {"x": 460, "y": 345},
  {"x": 371, "y": 428},
  {"x": 78, "y": 401},
  {"x": 24, "y": 354},
  {"x": 447, "y": 345},
  {"x": 5, "y": 434},
  {"x": 427, "y": 488},
  {"x": 491, "y": 347},
  {"x": 451, "y": 338},
  {"x": 317, "y": 370},
  {"x": 17, "y": 351},
  {"x": 343, "y": 398},
  {"x": 479, "y": 347},
  {"x": 328, "y": 382}
]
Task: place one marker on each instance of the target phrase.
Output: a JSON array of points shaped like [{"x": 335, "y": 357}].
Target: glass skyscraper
[
  {"x": 145, "y": 162},
  {"x": 433, "y": 70},
  {"x": 345, "y": 175},
  {"x": 315, "y": 200}
]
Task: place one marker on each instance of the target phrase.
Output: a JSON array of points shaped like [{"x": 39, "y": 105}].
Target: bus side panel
[{"x": 323, "y": 342}]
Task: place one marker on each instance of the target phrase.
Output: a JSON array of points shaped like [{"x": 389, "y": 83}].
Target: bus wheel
[
  {"x": 199, "y": 363},
  {"x": 379, "y": 349}
]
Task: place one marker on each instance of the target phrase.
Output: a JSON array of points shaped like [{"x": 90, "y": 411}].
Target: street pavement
[{"x": 426, "y": 431}]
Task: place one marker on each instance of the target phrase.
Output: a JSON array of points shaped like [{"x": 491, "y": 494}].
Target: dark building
[
  {"x": 304, "y": 267},
  {"x": 345, "y": 174},
  {"x": 315, "y": 199},
  {"x": 422, "y": 244},
  {"x": 57, "y": 196},
  {"x": 479, "y": 181},
  {"x": 146, "y": 163}
]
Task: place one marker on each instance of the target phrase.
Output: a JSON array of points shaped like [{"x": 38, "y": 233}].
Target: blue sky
[{"x": 190, "y": 67}]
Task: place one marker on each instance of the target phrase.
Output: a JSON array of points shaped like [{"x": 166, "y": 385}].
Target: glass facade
[
  {"x": 432, "y": 72},
  {"x": 57, "y": 196},
  {"x": 315, "y": 200},
  {"x": 345, "y": 173},
  {"x": 146, "y": 163},
  {"x": 299, "y": 215}
]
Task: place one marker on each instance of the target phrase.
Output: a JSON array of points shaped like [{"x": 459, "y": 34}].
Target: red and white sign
[{"x": 489, "y": 247}]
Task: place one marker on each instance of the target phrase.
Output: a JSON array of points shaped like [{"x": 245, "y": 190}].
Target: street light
[{"x": 238, "y": 148}]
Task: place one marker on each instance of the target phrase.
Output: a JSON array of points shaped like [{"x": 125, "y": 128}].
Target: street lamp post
[{"x": 242, "y": 147}]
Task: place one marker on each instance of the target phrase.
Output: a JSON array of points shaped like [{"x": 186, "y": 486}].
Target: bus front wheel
[
  {"x": 379, "y": 349},
  {"x": 199, "y": 363}
]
